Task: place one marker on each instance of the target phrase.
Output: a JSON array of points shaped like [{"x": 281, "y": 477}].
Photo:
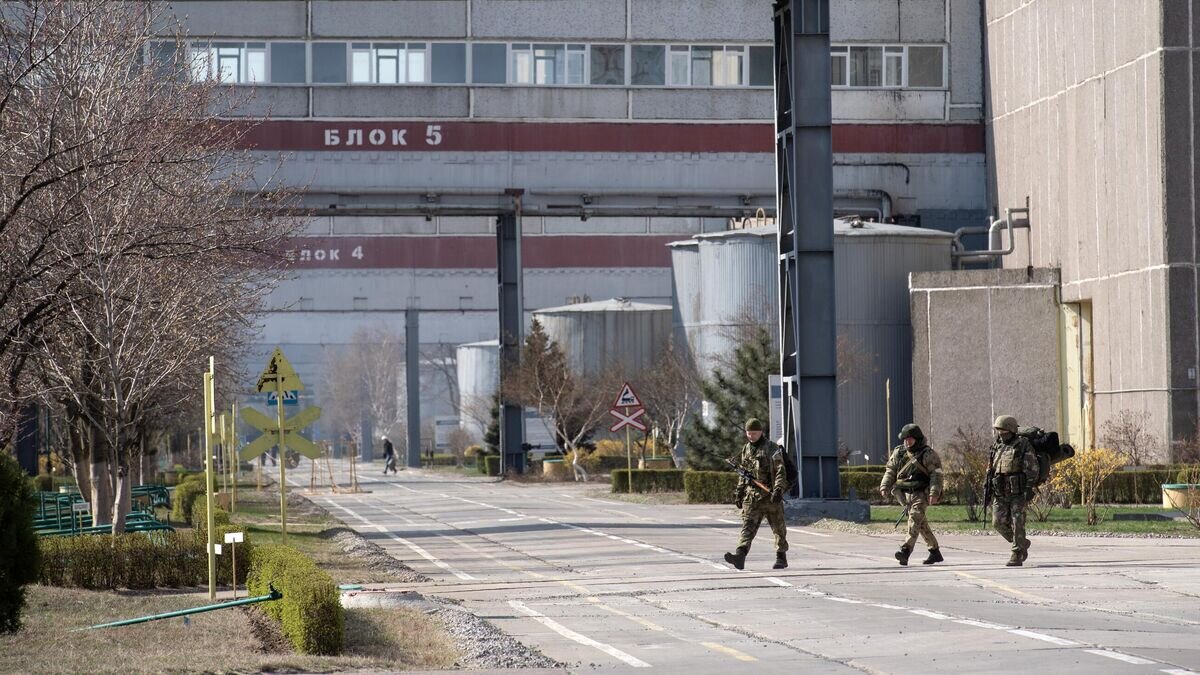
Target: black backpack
[
  {"x": 789, "y": 466},
  {"x": 1048, "y": 449}
]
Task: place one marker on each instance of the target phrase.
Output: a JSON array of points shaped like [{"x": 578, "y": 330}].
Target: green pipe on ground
[{"x": 273, "y": 595}]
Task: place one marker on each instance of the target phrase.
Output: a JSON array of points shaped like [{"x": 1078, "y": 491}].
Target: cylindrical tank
[
  {"x": 685, "y": 293},
  {"x": 478, "y": 377},
  {"x": 607, "y": 335},
  {"x": 738, "y": 275},
  {"x": 871, "y": 264}
]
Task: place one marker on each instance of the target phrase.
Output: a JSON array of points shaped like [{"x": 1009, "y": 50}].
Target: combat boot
[
  {"x": 780, "y": 561},
  {"x": 902, "y": 555},
  {"x": 935, "y": 556},
  {"x": 1016, "y": 559},
  {"x": 737, "y": 558}
]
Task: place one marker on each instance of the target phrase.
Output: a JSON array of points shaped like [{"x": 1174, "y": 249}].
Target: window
[
  {"x": 838, "y": 59},
  {"x": 547, "y": 63},
  {"x": 288, "y": 62},
  {"x": 329, "y": 62},
  {"x": 388, "y": 63},
  {"x": 925, "y": 67},
  {"x": 888, "y": 66},
  {"x": 488, "y": 63},
  {"x": 679, "y": 66},
  {"x": 646, "y": 65},
  {"x": 229, "y": 62},
  {"x": 728, "y": 67},
  {"x": 608, "y": 64},
  {"x": 762, "y": 66},
  {"x": 448, "y": 63}
]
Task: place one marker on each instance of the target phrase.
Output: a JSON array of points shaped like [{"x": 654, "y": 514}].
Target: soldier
[
  {"x": 1013, "y": 469},
  {"x": 914, "y": 476},
  {"x": 764, "y": 460}
]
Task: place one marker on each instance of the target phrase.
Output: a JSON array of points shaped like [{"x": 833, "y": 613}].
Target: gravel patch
[
  {"x": 482, "y": 645},
  {"x": 372, "y": 554}
]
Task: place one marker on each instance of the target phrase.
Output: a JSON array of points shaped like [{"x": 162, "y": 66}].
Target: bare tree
[
  {"x": 442, "y": 359},
  {"x": 966, "y": 465},
  {"x": 1126, "y": 434},
  {"x": 151, "y": 251},
  {"x": 366, "y": 378},
  {"x": 671, "y": 392}
]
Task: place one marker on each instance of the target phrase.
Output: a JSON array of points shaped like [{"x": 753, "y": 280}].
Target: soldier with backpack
[
  {"x": 763, "y": 470},
  {"x": 914, "y": 476},
  {"x": 1014, "y": 470}
]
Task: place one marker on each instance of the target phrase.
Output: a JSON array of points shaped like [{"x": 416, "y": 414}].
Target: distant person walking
[{"x": 389, "y": 456}]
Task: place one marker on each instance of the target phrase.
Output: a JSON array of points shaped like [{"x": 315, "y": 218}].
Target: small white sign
[
  {"x": 775, "y": 395},
  {"x": 217, "y": 549},
  {"x": 233, "y": 537},
  {"x": 80, "y": 507},
  {"x": 442, "y": 428}
]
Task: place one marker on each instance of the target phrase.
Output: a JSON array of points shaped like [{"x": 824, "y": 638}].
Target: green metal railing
[{"x": 273, "y": 595}]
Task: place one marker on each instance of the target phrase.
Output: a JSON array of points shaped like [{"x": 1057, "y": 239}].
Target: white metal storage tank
[
  {"x": 685, "y": 293},
  {"x": 615, "y": 333},
  {"x": 738, "y": 282},
  {"x": 478, "y": 378}
]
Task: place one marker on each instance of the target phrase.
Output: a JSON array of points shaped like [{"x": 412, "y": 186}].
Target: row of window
[{"x": 551, "y": 64}]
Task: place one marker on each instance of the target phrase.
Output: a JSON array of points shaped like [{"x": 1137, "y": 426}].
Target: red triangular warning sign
[{"x": 627, "y": 399}]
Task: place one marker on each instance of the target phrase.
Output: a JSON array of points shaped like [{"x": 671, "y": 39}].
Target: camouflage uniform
[
  {"x": 912, "y": 477},
  {"x": 1015, "y": 467},
  {"x": 764, "y": 459}
]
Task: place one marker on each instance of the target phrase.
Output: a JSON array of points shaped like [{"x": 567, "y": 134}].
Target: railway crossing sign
[
  {"x": 631, "y": 420},
  {"x": 291, "y": 435},
  {"x": 279, "y": 375},
  {"x": 290, "y": 397},
  {"x": 627, "y": 399}
]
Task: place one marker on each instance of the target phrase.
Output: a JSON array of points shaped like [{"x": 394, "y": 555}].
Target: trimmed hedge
[
  {"x": 648, "y": 480},
  {"x": 137, "y": 560},
  {"x": 311, "y": 610},
  {"x": 442, "y": 460},
  {"x": 614, "y": 462},
  {"x": 865, "y": 484},
  {"x": 18, "y": 543},
  {"x": 185, "y": 496},
  {"x": 492, "y": 465},
  {"x": 199, "y": 519},
  {"x": 710, "y": 487}
]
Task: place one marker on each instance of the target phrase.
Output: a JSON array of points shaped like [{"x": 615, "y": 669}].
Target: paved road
[{"x": 612, "y": 586}]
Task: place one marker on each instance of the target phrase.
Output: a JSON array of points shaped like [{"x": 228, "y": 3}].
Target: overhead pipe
[{"x": 994, "y": 230}]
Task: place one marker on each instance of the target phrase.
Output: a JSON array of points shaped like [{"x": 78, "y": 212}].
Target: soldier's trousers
[
  {"x": 918, "y": 524},
  {"x": 1008, "y": 518},
  {"x": 753, "y": 512}
]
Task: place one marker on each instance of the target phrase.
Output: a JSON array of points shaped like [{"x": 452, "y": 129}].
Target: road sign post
[
  {"x": 627, "y": 400},
  {"x": 209, "y": 482}
]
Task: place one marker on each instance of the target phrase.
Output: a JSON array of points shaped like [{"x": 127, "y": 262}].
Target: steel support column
[
  {"x": 512, "y": 323},
  {"x": 412, "y": 362},
  {"x": 804, "y": 175}
]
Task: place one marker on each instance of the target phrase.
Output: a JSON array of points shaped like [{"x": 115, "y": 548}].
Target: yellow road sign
[
  {"x": 279, "y": 374},
  {"x": 291, "y": 437}
]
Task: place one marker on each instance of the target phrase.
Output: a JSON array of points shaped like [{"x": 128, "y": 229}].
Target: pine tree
[
  {"x": 491, "y": 437},
  {"x": 736, "y": 396}
]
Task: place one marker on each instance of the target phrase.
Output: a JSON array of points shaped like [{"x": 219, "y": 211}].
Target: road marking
[
  {"x": 730, "y": 651},
  {"x": 1178, "y": 671},
  {"x": 881, "y": 605},
  {"x": 1043, "y": 637},
  {"x": 1135, "y": 660},
  {"x": 1007, "y": 589},
  {"x": 812, "y": 534},
  {"x": 778, "y": 582},
  {"x": 636, "y": 619},
  {"x": 727, "y": 522},
  {"x": 562, "y": 630},
  {"x": 848, "y": 601},
  {"x": 982, "y": 624},
  {"x": 932, "y": 615},
  {"x": 416, "y": 549}
]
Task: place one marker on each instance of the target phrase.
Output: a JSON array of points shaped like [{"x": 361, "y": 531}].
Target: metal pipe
[
  {"x": 273, "y": 595},
  {"x": 885, "y": 199}
]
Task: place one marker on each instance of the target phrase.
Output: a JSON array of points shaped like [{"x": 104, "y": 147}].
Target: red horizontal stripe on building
[
  {"x": 432, "y": 252},
  {"x": 400, "y": 136}
]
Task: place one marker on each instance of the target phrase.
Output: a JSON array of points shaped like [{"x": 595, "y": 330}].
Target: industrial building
[{"x": 406, "y": 120}]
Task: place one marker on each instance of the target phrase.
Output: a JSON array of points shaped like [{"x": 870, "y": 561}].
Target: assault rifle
[
  {"x": 748, "y": 476},
  {"x": 987, "y": 489},
  {"x": 904, "y": 514}
]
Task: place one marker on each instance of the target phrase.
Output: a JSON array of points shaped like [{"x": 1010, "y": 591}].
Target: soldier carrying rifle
[
  {"x": 914, "y": 476},
  {"x": 761, "y": 485}
]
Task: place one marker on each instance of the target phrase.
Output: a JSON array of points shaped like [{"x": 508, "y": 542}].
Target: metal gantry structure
[
  {"x": 804, "y": 176},
  {"x": 512, "y": 324}
]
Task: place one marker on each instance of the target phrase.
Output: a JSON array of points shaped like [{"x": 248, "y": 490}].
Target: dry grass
[{"x": 220, "y": 641}]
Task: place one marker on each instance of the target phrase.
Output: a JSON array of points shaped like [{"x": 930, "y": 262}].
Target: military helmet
[
  {"x": 754, "y": 424},
  {"x": 1006, "y": 423},
  {"x": 911, "y": 431}
]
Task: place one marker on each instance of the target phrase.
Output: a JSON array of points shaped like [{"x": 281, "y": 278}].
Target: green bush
[
  {"x": 443, "y": 460},
  {"x": 310, "y": 611},
  {"x": 138, "y": 560},
  {"x": 1130, "y": 487},
  {"x": 648, "y": 480},
  {"x": 185, "y": 496},
  {"x": 863, "y": 467},
  {"x": 865, "y": 484},
  {"x": 710, "y": 487},
  {"x": 492, "y": 465},
  {"x": 18, "y": 543},
  {"x": 199, "y": 519},
  {"x": 614, "y": 462}
]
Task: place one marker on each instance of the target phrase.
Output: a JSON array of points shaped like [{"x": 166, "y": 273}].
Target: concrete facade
[
  {"x": 1091, "y": 118},
  {"x": 985, "y": 343},
  {"x": 471, "y": 121}
]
